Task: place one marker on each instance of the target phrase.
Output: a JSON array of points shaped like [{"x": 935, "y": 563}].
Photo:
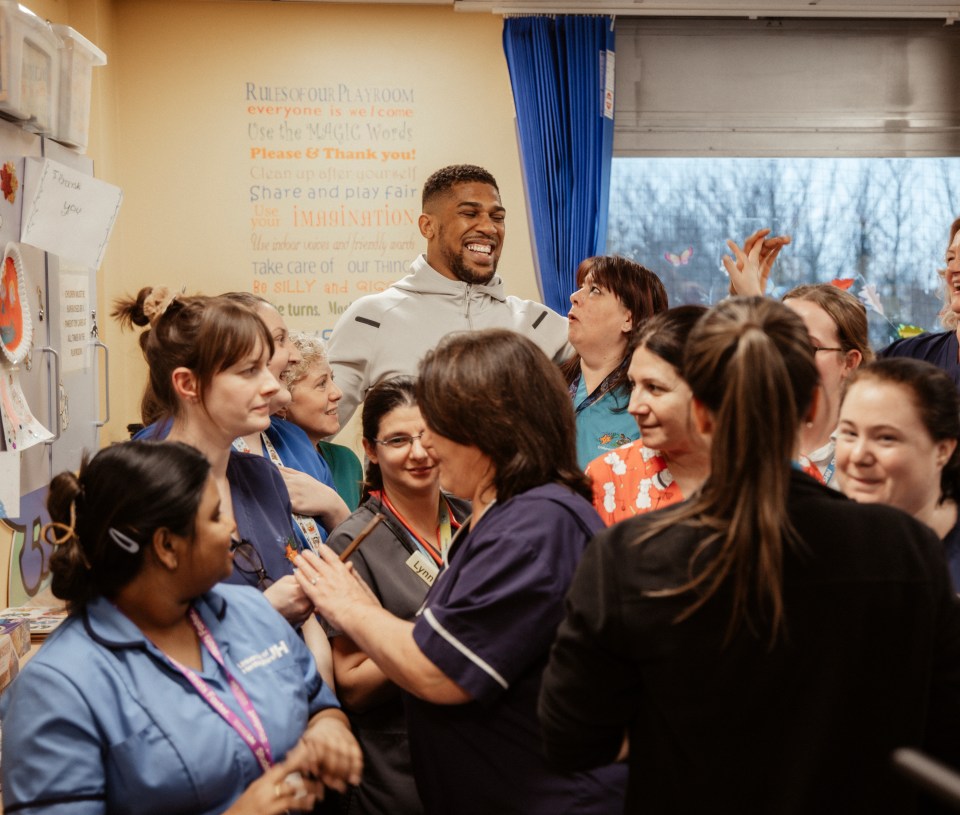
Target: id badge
[{"x": 423, "y": 567}]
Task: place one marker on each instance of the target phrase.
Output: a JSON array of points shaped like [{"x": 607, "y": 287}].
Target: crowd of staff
[{"x": 707, "y": 564}]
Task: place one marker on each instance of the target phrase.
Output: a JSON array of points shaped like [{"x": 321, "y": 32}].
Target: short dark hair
[
  {"x": 134, "y": 488},
  {"x": 937, "y": 402},
  {"x": 497, "y": 391},
  {"x": 382, "y": 398},
  {"x": 446, "y": 178}
]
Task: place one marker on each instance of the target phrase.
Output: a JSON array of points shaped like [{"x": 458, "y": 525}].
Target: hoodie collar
[{"x": 427, "y": 280}]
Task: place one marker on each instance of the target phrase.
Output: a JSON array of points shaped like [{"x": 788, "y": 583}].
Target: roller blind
[{"x": 810, "y": 87}]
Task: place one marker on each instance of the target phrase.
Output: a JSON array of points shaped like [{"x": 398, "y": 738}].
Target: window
[
  {"x": 878, "y": 226},
  {"x": 836, "y": 132}
]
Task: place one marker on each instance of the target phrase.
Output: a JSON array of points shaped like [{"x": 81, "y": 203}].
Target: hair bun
[{"x": 156, "y": 303}]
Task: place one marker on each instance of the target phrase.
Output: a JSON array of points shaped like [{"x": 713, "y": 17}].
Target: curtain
[{"x": 561, "y": 72}]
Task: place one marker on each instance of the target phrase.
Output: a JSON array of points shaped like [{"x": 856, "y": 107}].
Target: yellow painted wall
[{"x": 170, "y": 129}]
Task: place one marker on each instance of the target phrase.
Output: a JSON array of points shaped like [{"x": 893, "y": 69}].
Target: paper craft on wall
[
  {"x": 20, "y": 429},
  {"x": 68, "y": 213},
  {"x": 16, "y": 327}
]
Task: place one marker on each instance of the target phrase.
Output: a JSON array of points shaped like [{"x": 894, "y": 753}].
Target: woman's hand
[
  {"x": 753, "y": 281},
  {"x": 347, "y": 602},
  {"x": 287, "y": 597},
  {"x": 272, "y": 793},
  {"x": 333, "y": 587},
  {"x": 309, "y": 497},
  {"x": 333, "y": 755}
]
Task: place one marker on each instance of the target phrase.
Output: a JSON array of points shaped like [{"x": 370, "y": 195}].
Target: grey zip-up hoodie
[{"x": 386, "y": 334}]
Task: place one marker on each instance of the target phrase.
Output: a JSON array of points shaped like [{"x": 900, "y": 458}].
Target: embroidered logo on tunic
[
  {"x": 264, "y": 658},
  {"x": 611, "y": 441}
]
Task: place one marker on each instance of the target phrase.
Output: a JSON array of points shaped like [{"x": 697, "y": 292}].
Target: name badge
[{"x": 423, "y": 567}]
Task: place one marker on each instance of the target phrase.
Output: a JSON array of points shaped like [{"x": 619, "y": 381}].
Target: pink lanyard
[{"x": 258, "y": 742}]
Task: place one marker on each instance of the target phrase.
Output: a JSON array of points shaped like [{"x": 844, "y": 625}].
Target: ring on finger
[
  {"x": 277, "y": 791},
  {"x": 313, "y": 581}
]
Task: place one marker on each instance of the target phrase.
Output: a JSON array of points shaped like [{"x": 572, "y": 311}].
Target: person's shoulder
[
  {"x": 350, "y": 527},
  {"x": 535, "y": 310},
  {"x": 618, "y": 458},
  {"x": 920, "y": 347},
  {"x": 229, "y": 601},
  {"x": 339, "y": 454},
  {"x": 875, "y": 534},
  {"x": 70, "y": 644},
  {"x": 249, "y": 467},
  {"x": 248, "y": 462},
  {"x": 555, "y": 504},
  {"x": 370, "y": 310}
]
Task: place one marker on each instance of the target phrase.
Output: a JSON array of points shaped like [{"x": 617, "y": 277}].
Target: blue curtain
[{"x": 561, "y": 71}]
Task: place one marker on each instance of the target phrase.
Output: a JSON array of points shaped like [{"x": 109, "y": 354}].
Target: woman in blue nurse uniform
[
  {"x": 164, "y": 691},
  {"x": 500, "y": 425}
]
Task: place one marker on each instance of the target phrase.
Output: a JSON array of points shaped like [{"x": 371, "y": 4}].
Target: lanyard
[
  {"x": 256, "y": 739},
  {"x": 599, "y": 392},
  {"x": 444, "y": 531},
  {"x": 308, "y": 525}
]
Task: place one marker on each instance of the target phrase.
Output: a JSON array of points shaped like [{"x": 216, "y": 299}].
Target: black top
[
  {"x": 939, "y": 348},
  {"x": 871, "y": 662}
]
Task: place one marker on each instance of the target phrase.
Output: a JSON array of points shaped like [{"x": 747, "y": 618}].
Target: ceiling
[{"x": 947, "y": 10}]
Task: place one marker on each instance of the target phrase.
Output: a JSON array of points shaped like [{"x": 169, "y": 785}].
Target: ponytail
[{"x": 749, "y": 363}]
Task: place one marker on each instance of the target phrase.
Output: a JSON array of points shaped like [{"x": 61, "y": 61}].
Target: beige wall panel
[{"x": 181, "y": 144}]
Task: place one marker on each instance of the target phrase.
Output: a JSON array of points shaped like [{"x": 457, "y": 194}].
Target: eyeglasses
[
  {"x": 816, "y": 348},
  {"x": 400, "y": 442},
  {"x": 247, "y": 560}
]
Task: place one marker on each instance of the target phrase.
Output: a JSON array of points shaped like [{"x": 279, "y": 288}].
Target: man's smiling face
[{"x": 464, "y": 230}]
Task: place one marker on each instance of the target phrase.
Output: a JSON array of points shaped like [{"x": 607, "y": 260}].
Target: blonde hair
[
  {"x": 948, "y": 318},
  {"x": 312, "y": 351}
]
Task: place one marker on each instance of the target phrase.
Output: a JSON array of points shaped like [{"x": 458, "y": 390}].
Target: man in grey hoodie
[{"x": 453, "y": 287}]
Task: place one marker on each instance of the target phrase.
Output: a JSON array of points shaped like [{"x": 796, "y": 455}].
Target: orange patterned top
[{"x": 631, "y": 480}]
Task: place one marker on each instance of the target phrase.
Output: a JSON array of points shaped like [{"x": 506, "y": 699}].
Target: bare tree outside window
[{"x": 877, "y": 226}]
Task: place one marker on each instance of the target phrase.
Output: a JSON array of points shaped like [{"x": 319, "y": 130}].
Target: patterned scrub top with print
[{"x": 631, "y": 480}]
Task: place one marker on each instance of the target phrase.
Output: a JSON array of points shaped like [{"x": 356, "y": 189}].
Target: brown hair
[
  {"x": 638, "y": 289},
  {"x": 666, "y": 334},
  {"x": 497, "y": 391},
  {"x": 848, "y": 314},
  {"x": 743, "y": 504},
  {"x": 948, "y": 319},
  {"x": 203, "y": 334}
]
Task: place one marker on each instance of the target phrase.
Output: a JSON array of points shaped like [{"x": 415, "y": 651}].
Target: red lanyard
[
  {"x": 447, "y": 520},
  {"x": 256, "y": 739}
]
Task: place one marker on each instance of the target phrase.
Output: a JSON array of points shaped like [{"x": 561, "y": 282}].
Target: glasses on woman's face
[
  {"x": 816, "y": 348},
  {"x": 400, "y": 442},
  {"x": 247, "y": 560}
]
